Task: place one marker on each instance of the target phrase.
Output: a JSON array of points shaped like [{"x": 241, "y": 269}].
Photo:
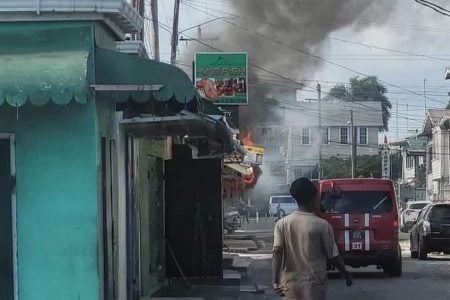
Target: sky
[{"x": 416, "y": 36}]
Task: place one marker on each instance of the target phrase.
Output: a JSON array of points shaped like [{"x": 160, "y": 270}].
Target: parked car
[
  {"x": 364, "y": 216},
  {"x": 431, "y": 231},
  {"x": 282, "y": 205},
  {"x": 410, "y": 213}
]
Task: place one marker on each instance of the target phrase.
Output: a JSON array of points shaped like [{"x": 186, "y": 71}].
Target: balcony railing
[{"x": 119, "y": 11}]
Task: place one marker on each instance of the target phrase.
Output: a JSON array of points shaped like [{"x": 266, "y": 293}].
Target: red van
[{"x": 364, "y": 216}]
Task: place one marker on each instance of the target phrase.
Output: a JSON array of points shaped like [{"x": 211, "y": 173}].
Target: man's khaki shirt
[{"x": 308, "y": 243}]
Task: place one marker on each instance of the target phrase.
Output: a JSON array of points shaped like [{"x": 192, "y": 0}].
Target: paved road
[{"x": 429, "y": 280}]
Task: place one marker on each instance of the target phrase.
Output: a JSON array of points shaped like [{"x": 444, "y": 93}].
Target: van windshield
[
  {"x": 285, "y": 199},
  {"x": 357, "y": 202}
]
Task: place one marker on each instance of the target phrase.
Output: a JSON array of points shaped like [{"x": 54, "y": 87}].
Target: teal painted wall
[{"x": 57, "y": 203}]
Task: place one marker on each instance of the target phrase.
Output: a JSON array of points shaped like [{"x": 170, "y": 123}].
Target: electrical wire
[
  {"x": 264, "y": 69},
  {"x": 365, "y": 22},
  {"x": 265, "y": 22},
  {"x": 318, "y": 57},
  {"x": 435, "y": 7}
]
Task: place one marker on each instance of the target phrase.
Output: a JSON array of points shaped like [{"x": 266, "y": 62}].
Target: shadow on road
[
  {"x": 361, "y": 275},
  {"x": 438, "y": 258}
]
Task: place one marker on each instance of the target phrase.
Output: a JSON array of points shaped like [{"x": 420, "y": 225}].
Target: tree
[
  {"x": 365, "y": 89},
  {"x": 448, "y": 105}
]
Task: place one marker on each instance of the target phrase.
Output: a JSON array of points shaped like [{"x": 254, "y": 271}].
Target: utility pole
[
  {"x": 319, "y": 97},
  {"x": 407, "y": 119},
  {"x": 353, "y": 154},
  {"x": 425, "y": 94},
  {"x": 396, "y": 105},
  {"x": 155, "y": 23},
  {"x": 174, "y": 42}
]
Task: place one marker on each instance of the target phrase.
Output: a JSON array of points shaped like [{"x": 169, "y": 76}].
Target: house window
[
  {"x": 298, "y": 172},
  {"x": 325, "y": 136},
  {"x": 362, "y": 135},
  {"x": 344, "y": 135},
  {"x": 306, "y": 136},
  {"x": 421, "y": 160},
  {"x": 409, "y": 162}
]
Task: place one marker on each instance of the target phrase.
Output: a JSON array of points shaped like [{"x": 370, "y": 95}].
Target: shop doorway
[
  {"x": 7, "y": 219},
  {"x": 193, "y": 218}
]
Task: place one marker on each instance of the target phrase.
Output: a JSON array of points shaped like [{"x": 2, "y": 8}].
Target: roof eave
[{"x": 119, "y": 15}]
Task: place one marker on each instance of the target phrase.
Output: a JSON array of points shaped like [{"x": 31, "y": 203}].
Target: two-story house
[
  {"x": 294, "y": 144},
  {"x": 413, "y": 180},
  {"x": 436, "y": 129}
]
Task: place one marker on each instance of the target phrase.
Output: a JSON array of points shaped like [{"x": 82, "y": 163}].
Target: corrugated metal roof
[
  {"x": 417, "y": 142},
  {"x": 437, "y": 115},
  {"x": 433, "y": 118}
]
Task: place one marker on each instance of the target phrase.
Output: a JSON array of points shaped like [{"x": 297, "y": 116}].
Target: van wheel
[
  {"x": 422, "y": 253},
  {"x": 414, "y": 254},
  {"x": 396, "y": 268}
]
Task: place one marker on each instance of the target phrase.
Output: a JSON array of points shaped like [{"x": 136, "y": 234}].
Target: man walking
[{"x": 303, "y": 245}]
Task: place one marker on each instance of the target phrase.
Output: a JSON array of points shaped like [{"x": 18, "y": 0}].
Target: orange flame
[{"x": 247, "y": 140}]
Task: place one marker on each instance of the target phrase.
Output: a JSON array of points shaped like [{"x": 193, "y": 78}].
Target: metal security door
[
  {"x": 193, "y": 218},
  {"x": 7, "y": 261}
]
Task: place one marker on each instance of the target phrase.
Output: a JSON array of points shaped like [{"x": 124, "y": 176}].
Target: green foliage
[{"x": 365, "y": 89}]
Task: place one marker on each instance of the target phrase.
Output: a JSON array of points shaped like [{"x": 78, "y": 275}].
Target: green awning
[
  {"x": 36, "y": 66},
  {"x": 43, "y": 63},
  {"x": 116, "y": 69}
]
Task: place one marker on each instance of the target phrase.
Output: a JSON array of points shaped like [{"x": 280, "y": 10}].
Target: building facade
[
  {"x": 293, "y": 145},
  {"x": 437, "y": 131},
  {"x": 88, "y": 137},
  {"x": 413, "y": 180}
]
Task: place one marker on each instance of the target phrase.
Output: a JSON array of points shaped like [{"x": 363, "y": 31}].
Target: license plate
[
  {"x": 357, "y": 238},
  {"x": 357, "y": 245}
]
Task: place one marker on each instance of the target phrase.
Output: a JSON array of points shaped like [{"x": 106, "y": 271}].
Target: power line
[
  {"x": 265, "y": 22},
  {"x": 365, "y": 22},
  {"x": 314, "y": 56},
  {"x": 435, "y": 7},
  {"x": 281, "y": 76},
  {"x": 276, "y": 74}
]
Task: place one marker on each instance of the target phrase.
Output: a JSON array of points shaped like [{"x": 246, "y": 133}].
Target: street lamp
[{"x": 447, "y": 73}]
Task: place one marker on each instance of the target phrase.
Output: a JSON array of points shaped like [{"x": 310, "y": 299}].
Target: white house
[
  {"x": 413, "y": 180},
  {"x": 436, "y": 129},
  {"x": 293, "y": 144}
]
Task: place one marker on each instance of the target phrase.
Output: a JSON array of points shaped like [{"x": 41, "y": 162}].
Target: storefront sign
[
  {"x": 222, "y": 77},
  {"x": 386, "y": 164},
  {"x": 254, "y": 155}
]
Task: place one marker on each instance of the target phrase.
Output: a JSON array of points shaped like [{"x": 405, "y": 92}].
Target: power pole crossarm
[{"x": 174, "y": 42}]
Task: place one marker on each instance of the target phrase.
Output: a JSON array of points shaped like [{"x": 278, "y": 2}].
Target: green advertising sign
[{"x": 221, "y": 77}]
